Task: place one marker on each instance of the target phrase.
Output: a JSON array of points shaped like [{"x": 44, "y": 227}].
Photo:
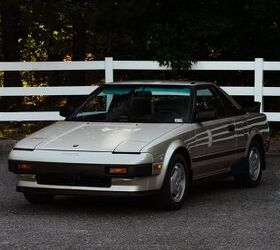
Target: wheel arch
[
  {"x": 256, "y": 136},
  {"x": 176, "y": 147},
  {"x": 185, "y": 153}
]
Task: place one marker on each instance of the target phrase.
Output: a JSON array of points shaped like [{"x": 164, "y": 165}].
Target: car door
[
  {"x": 233, "y": 109},
  {"x": 215, "y": 140}
]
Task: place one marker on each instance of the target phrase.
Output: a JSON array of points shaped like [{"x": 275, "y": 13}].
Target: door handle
[{"x": 231, "y": 127}]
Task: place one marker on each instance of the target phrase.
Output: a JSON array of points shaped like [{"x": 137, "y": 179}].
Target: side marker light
[{"x": 24, "y": 166}]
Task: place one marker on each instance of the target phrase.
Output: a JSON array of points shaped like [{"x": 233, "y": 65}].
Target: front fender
[{"x": 173, "y": 146}]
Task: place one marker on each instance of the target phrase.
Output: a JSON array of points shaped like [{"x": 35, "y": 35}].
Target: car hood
[{"x": 102, "y": 137}]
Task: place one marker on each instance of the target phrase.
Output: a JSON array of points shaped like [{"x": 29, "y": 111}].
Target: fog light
[
  {"x": 117, "y": 170},
  {"x": 24, "y": 166}
]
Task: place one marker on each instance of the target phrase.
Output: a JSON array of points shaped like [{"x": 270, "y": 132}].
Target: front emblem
[{"x": 75, "y": 145}]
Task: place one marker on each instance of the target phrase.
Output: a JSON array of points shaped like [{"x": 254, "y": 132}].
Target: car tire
[
  {"x": 38, "y": 198},
  {"x": 251, "y": 174},
  {"x": 176, "y": 184}
]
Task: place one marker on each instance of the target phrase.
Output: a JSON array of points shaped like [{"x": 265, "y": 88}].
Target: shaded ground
[{"x": 217, "y": 215}]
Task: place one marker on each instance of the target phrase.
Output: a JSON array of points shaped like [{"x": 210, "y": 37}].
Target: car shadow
[
  {"x": 96, "y": 205},
  {"x": 200, "y": 192}
]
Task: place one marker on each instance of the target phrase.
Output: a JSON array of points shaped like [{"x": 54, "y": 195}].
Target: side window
[
  {"x": 96, "y": 105},
  {"x": 207, "y": 100},
  {"x": 229, "y": 107}
]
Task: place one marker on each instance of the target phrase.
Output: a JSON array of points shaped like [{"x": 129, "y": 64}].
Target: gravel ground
[{"x": 217, "y": 215}]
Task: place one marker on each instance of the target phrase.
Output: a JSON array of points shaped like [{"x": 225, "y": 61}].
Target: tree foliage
[{"x": 175, "y": 33}]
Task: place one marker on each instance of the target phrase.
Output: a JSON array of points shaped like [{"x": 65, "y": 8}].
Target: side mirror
[
  {"x": 66, "y": 111},
  {"x": 208, "y": 115}
]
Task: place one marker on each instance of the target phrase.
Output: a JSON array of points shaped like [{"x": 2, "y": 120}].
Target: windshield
[{"x": 136, "y": 103}]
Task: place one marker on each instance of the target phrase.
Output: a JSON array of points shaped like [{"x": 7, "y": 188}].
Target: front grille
[{"x": 73, "y": 180}]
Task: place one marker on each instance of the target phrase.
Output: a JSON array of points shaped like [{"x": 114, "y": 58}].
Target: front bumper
[
  {"x": 117, "y": 185},
  {"x": 53, "y": 191},
  {"x": 139, "y": 178}
]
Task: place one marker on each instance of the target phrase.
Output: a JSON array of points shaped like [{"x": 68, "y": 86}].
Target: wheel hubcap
[
  {"x": 178, "y": 182},
  {"x": 254, "y": 164}
]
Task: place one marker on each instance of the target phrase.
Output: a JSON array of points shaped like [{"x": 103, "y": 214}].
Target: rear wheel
[
  {"x": 176, "y": 184},
  {"x": 38, "y": 198},
  {"x": 252, "y": 174}
]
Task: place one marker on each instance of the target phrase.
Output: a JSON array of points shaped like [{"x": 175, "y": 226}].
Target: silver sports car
[{"x": 138, "y": 138}]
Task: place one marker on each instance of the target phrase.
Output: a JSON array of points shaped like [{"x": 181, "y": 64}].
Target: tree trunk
[
  {"x": 78, "y": 54},
  {"x": 9, "y": 23},
  {"x": 78, "y": 47}
]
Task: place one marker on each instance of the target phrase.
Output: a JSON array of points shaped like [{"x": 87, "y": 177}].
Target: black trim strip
[
  {"x": 218, "y": 155},
  {"x": 127, "y": 153},
  {"x": 140, "y": 170},
  {"x": 87, "y": 151},
  {"x": 24, "y": 149}
]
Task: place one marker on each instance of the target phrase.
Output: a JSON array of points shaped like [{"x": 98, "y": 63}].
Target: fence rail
[{"x": 109, "y": 66}]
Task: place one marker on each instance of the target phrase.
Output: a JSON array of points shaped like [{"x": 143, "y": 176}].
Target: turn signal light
[
  {"x": 117, "y": 170},
  {"x": 24, "y": 166},
  {"x": 157, "y": 166}
]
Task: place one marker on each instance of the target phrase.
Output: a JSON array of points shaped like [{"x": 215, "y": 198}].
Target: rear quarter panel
[{"x": 256, "y": 125}]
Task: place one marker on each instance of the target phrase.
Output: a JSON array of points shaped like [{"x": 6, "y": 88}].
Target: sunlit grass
[
  {"x": 1, "y": 79},
  {"x": 18, "y": 130}
]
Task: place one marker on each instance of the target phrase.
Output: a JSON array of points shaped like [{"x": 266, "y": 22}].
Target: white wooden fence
[{"x": 109, "y": 65}]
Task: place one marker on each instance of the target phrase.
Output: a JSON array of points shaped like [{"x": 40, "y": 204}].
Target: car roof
[{"x": 180, "y": 83}]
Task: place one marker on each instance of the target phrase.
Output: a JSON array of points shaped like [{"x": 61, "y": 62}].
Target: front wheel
[
  {"x": 176, "y": 184},
  {"x": 252, "y": 172},
  {"x": 38, "y": 198}
]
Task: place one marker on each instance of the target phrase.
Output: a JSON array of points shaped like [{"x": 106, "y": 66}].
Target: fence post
[
  {"x": 259, "y": 81},
  {"x": 109, "y": 71}
]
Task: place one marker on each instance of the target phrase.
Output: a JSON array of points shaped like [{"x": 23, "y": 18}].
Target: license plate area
[{"x": 73, "y": 180}]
